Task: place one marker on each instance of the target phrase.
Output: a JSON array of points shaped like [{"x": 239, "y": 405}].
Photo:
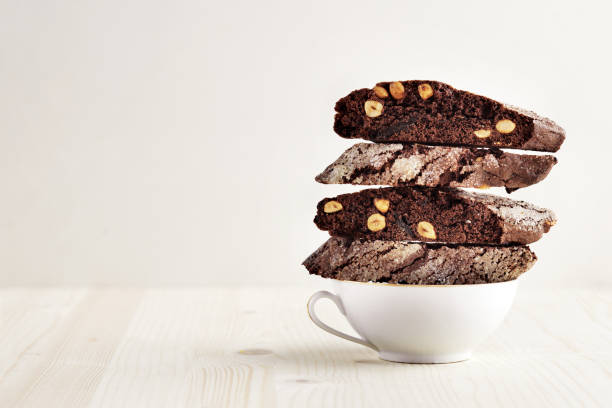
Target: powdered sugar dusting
[{"x": 513, "y": 211}]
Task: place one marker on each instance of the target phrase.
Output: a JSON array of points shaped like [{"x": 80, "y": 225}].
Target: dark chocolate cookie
[
  {"x": 435, "y": 166},
  {"x": 432, "y": 112},
  {"x": 418, "y": 264},
  {"x": 434, "y": 215}
]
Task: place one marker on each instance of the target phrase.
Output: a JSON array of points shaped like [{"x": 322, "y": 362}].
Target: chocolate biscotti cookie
[
  {"x": 417, "y": 264},
  {"x": 435, "y": 166},
  {"x": 435, "y": 215},
  {"x": 432, "y": 112}
]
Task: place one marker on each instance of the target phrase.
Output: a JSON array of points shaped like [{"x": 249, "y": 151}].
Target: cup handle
[{"x": 313, "y": 316}]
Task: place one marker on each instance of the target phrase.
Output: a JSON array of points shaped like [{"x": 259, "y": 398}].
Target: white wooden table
[{"x": 220, "y": 347}]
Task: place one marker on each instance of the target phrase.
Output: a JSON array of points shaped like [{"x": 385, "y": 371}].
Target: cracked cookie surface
[
  {"x": 417, "y": 263},
  {"x": 435, "y": 166}
]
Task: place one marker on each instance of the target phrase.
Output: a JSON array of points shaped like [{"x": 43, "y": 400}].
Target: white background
[{"x": 148, "y": 142}]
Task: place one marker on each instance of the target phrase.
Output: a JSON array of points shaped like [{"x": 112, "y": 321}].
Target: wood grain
[{"x": 255, "y": 347}]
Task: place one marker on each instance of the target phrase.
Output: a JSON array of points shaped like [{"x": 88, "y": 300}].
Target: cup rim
[{"x": 412, "y": 285}]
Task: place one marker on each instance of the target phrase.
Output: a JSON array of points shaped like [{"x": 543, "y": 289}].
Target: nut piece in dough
[
  {"x": 397, "y": 90},
  {"x": 332, "y": 207},
  {"x": 376, "y": 222},
  {"x": 505, "y": 126},
  {"x": 425, "y": 91},
  {"x": 426, "y": 230},
  {"x": 482, "y": 133},
  {"x": 380, "y": 92},
  {"x": 373, "y": 108},
  {"x": 381, "y": 204}
]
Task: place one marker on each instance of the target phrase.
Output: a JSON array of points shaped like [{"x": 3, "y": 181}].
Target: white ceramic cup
[{"x": 419, "y": 323}]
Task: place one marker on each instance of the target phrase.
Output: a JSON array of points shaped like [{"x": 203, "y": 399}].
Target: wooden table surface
[{"x": 256, "y": 347}]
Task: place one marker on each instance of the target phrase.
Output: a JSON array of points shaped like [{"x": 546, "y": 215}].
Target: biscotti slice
[
  {"x": 418, "y": 264},
  {"x": 433, "y": 215},
  {"x": 435, "y": 166},
  {"x": 432, "y": 112}
]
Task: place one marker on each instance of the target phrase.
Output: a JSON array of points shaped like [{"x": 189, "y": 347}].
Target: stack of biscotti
[{"x": 430, "y": 141}]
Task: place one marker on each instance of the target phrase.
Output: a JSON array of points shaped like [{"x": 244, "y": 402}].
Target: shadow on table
[{"x": 338, "y": 356}]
